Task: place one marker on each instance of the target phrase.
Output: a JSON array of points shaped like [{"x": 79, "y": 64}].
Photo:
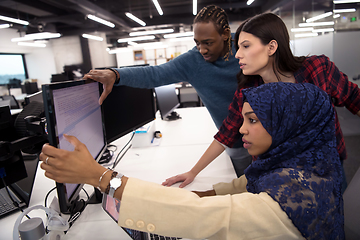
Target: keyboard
[
  {"x": 158, "y": 237},
  {"x": 6, "y": 204}
]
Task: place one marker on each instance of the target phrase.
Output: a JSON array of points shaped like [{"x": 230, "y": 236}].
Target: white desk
[{"x": 181, "y": 146}]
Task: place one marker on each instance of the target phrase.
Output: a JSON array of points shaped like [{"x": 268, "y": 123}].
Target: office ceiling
[{"x": 68, "y": 17}]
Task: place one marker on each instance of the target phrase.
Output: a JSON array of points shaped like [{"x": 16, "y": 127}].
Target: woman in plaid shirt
[{"x": 265, "y": 56}]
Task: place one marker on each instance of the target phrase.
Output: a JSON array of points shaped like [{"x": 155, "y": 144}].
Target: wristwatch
[{"x": 115, "y": 183}]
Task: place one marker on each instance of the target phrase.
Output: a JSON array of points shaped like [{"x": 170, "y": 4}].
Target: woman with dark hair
[
  {"x": 292, "y": 191},
  {"x": 263, "y": 50}
]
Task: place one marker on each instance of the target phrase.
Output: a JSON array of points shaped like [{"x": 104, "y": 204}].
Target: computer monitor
[
  {"x": 73, "y": 108},
  {"x": 126, "y": 109},
  {"x": 167, "y": 100}
]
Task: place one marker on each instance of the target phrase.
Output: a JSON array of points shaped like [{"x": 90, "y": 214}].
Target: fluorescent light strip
[
  {"x": 174, "y": 35},
  {"x": 132, "y": 17},
  {"x": 314, "y": 24},
  {"x": 120, "y": 50},
  {"x": 92, "y": 37},
  {"x": 158, "y": 8},
  {"x": 336, "y": 16},
  {"x": 14, "y": 20},
  {"x": 29, "y": 44},
  {"x": 120, "y": 40},
  {"x": 159, "y": 31},
  {"x": 132, "y": 43},
  {"x": 323, "y": 30},
  {"x": 249, "y": 2},
  {"x": 309, "y": 29},
  {"x": 100, "y": 20},
  {"x": 181, "y": 39},
  {"x": 194, "y": 7},
  {"x": 321, "y": 16},
  {"x": 344, "y": 10},
  {"x": 306, "y": 35},
  {"x": 35, "y": 36},
  {"x": 5, "y": 25},
  {"x": 343, "y": 1}
]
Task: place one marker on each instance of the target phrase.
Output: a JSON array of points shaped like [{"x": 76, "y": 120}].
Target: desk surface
[{"x": 182, "y": 144}]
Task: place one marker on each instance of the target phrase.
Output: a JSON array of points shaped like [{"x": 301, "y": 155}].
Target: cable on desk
[
  {"x": 16, "y": 204},
  {"x": 117, "y": 160},
  {"x": 47, "y": 195}
]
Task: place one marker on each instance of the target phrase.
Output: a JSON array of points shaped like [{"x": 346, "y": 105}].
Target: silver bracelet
[{"x": 102, "y": 177}]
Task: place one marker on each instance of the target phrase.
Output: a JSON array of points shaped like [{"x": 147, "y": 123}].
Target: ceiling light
[
  {"x": 120, "y": 40},
  {"x": 14, "y": 20},
  {"x": 132, "y": 17},
  {"x": 344, "y": 10},
  {"x": 31, "y": 44},
  {"x": 92, "y": 37},
  {"x": 100, "y": 20},
  {"x": 306, "y": 35},
  {"x": 36, "y": 36},
  {"x": 309, "y": 29},
  {"x": 120, "y": 50},
  {"x": 132, "y": 43},
  {"x": 343, "y": 1},
  {"x": 5, "y": 25},
  {"x": 321, "y": 16},
  {"x": 323, "y": 30},
  {"x": 174, "y": 35},
  {"x": 336, "y": 16},
  {"x": 194, "y": 7},
  {"x": 182, "y": 39},
  {"x": 249, "y": 2},
  {"x": 314, "y": 24},
  {"x": 159, "y": 31},
  {"x": 158, "y": 8}
]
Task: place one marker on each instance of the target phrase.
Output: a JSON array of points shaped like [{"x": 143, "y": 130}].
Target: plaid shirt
[{"x": 318, "y": 70}]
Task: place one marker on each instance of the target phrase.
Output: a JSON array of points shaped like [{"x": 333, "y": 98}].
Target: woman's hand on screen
[{"x": 185, "y": 178}]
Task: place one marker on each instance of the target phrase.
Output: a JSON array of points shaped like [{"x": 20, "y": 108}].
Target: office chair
[
  {"x": 352, "y": 208},
  {"x": 188, "y": 97},
  {"x": 13, "y": 102}
]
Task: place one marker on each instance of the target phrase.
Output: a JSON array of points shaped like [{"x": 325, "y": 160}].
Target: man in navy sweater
[{"x": 210, "y": 67}]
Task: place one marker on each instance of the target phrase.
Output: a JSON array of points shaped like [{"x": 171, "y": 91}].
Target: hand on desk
[
  {"x": 76, "y": 166},
  {"x": 185, "y": 178},
  {"x": 106, "y": 77}
]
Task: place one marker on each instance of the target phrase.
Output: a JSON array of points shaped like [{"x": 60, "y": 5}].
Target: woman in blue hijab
[{"x": 301, "y": 168}]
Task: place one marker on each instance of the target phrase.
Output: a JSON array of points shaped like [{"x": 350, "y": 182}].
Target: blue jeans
[{"x": 240, "y": 159}]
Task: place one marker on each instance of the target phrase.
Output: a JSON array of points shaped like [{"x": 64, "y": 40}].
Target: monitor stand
[{"x": 173, "y": 116}]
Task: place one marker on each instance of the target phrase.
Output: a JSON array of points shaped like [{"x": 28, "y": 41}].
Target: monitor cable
[{"x": 118, "y": 158}]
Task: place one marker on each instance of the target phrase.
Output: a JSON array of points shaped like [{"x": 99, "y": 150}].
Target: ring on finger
[{"x": 46, "y": 160}]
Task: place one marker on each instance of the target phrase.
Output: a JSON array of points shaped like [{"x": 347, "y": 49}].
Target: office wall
[
  {"x": 40, "y": 62},
  {"x": 99, "y": 56}
]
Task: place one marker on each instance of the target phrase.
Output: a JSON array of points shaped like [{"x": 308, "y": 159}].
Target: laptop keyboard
[
  {"x": 158, "y": 237},
  {"x": 6, "y": 204}
]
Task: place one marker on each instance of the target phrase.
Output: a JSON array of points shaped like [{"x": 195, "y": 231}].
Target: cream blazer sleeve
[
  {"x": 178, "y": 212},
  {"x": 238, "y": 185}
]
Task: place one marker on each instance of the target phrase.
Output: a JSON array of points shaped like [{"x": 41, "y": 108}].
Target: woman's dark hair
[
  {"x": 220, "y": 19},
  {"x": 267, "y": 27}
]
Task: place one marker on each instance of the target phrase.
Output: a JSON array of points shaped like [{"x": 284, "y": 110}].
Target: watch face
[{"x": 115, "y": 182}]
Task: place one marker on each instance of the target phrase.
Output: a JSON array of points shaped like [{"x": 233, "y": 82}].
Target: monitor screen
[
  {"x": 167, "y": 99},
  {"x": 73, "y": 108},
  {"x": 126, "y": 109}
]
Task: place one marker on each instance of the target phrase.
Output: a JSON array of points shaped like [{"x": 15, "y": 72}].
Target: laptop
[
  {"x": 112, "y": 206},
  {"x": 21, "y": 190}
]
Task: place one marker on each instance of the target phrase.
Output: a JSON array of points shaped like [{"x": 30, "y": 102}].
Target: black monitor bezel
[{"x": 64, "y": 202}]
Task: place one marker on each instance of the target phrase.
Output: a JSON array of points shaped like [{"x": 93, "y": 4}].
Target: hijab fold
[{"x": 301, "y": 169}]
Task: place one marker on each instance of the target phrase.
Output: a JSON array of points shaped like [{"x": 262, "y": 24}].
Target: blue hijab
[{"x": 301, "y": 169}]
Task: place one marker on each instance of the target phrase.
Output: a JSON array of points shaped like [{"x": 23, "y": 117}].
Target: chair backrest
[
  {"x": 13, "y": 102},
  {"x": 352, "y": 208}
]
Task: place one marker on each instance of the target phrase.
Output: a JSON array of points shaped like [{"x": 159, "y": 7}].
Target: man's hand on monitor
[
  {"x": 106, "y": 77},
  {"x": 76, "y": 166},
  {"x": 185, "y": 178}
]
